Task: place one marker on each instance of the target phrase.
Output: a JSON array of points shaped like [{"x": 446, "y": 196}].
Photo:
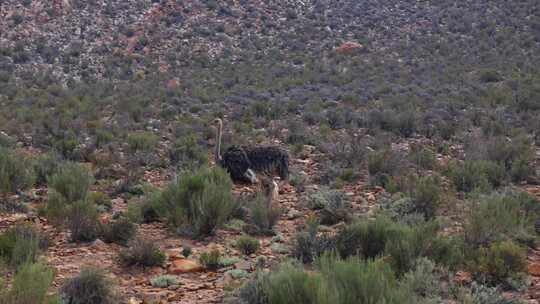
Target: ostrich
[{"x": 243, "y": 162}]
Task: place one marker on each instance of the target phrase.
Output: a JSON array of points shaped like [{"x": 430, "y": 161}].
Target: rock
[
  {"x": 294, "y": 214},
  {"x": 154, "y": 298},
  {"x": 534, "y": 269},
  {"x": 463, "y": 278},
  {"x": 98, "y": 245},
  {"x": 180, "y": 266},
  {"x": 349, "y": 48}
]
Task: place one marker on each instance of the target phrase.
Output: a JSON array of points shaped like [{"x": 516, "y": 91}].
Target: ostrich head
[{"x": 219, "y": 127}]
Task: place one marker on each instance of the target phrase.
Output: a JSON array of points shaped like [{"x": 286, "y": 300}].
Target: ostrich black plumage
[{"x": 243, "y": 162}]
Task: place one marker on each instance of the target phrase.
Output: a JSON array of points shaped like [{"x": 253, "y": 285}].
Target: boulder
[{"x": 180, "y": 266}]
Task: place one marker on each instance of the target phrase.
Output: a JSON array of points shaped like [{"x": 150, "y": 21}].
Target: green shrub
[
  {"x": 476, "y": 175},
  {"x": 291, "y": 284},
  {"x": 422, "y": 157},
  {"x": 71, "y": 182},
  {"x": 100, "y": 200},
  {"x": 355, "y": 281},
  {"x": 333, "y": 281},
  {"x": 498, "y": 217},
  {"x": 366, "y": 238},
  {"x": 247, "y": 245},
  {"x": 403, "y": 244},
  {"x": 21, "y": 245},
  {"x": 83, "y": 221},
  {"x": 383, "y": 165},
  {"x": 45, "y": 166},
  {"x": 211, "y": 260},
  {"x": 30, "y": 286},
  {"x": 499, "y": 262},
  {"x": 164, "y": 281},
  {"x": 199, "y": 202},
  {"x": 187, "y": 153},
  {"x": 142, "y": 252},
  {"x": 423, "y": 281},
  {"x": 15, "y": 172},
  {"x": 89, "y": 287},
  {"x": 426, "y": 196},
  {"x": 263, "y": 216},
  {"x": 308, "y": 245},
  {"x": 482, "y": 294},
  {"x": 120, "y": 231},
  {"x": 142, "y": 141}
]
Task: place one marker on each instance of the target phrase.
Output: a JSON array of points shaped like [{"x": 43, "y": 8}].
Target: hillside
[{"x": 411, "y": 129}]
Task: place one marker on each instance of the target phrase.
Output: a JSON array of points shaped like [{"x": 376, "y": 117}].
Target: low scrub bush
[
  {"x": 423, "y": 281},
  {"x": 83, "y": 221},
  {"x": 89, "y": 287},
  {"x": 187, "y": 153},
  {"x": 500, "y": 216},
  {"x": 71, "y": 182},
  {"x": 403, "y": 244},
  {"x": 482, "y": 294},
  {"x": 383, "y": 165},
  {"x": 263, "y": 216},
  {"x": 45, "y": 166},
  {"x": 426, "y": 196},
  {"x": 142, "y": 252},
  {"x": 199, "y": 202},
  {"x": 120, "y": 231},
  {"x": 333, "y": 281},
  {"x": 476, "y": 175},
  {"x": 21, "y": 245},
  {"x": 499, "y": 262},
  {"x": 16, "y": 172},
  {"x": 164, "y": 281},
  {"x": 247, "y": 245},
  {"x": 332, "y": 205},
  {"x": 30, "y": 286},
  {"x": 211, "y": 260},
  {"x": 422, "y": 157},
  {"x": 309, "y": 245},
  {"x": 142, "y": 141}
]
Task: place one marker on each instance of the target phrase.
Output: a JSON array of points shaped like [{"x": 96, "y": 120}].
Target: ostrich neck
[{"x": 217, "y": 156}]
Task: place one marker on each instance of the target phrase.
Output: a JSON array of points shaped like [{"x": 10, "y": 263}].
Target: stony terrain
[{"x": 369, "y": 98}]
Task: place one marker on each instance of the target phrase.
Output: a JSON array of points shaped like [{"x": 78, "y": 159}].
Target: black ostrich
[{"x": 243, "y": 162}]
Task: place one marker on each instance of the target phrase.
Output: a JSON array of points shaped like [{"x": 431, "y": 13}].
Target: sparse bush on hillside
[
  {"x": 211, "y": 260},
  {"x": 142, "y": 252},
  {"x": 15, "y": 172},
  {"x": 332, "y": 205},
  {"x": 499, "y": 262},
  {"x": 500, "y": 216},
  {"x": 142, "y": 141},
  {"x": 263, "y": 216},
  {"x": 89, "y": 287},
  {"x": 45, "y": 166},
  {"x": 198, "y": 202},
  {"x": 247, "y": 245},
  {"x": 187, "y": 153},
  {"x": 71, "y": 182},
  {"x": 21, "y": 244},
  {"x": 403, "y": 244},
  {"x": 476, "y": 175},
  {"x": 30, "y": 286},
  {"x": 83, "y": 221},
  {"x": 333, "y": 281},
  {"x": 426, "y": 196},
  {"x": 309, "y": 245},
  {"x": 120, "y": 231}
]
